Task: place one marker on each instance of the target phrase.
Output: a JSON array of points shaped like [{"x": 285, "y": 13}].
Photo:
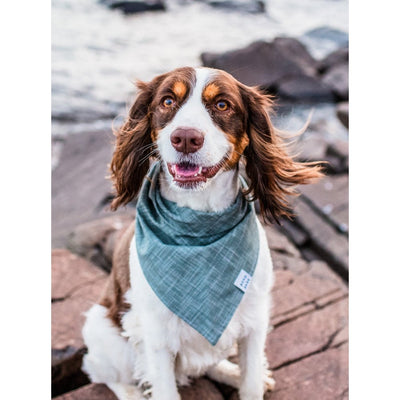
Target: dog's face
[
  {"x": 200, "y": 122},
  {"x": 198, "y": 125}
]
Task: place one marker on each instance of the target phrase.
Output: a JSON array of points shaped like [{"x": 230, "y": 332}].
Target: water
[{"x": 98, "y": 53}]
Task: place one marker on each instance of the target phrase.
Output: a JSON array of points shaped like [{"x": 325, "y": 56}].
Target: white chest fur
[{"x": 149, "y": 318}]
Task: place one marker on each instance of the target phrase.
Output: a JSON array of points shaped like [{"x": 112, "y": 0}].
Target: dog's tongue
[{"x": 186, "y": 170}]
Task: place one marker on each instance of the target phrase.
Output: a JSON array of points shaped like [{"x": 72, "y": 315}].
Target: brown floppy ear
[
  {"x": 272, "y": 171},
  {"x": 133, "y": 147}
]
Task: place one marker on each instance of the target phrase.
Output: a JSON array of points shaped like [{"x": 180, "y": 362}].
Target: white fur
[
  {"x": 155, "y": 346},
  {"x": 193, "y": 114}
]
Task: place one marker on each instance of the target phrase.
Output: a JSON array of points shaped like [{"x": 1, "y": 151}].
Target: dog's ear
[
  {"x": 133, "y": 147},
  {"x": 271, "y": 170}
]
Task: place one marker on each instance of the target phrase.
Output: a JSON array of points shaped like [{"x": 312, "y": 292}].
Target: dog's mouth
[{"x": 187, "y": 174}]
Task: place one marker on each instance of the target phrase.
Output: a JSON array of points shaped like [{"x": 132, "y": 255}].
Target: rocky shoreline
[{"x": 310, "y": 252}]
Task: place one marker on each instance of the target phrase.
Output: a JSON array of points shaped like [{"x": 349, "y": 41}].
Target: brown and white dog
[{"x": 200, "y": 123}]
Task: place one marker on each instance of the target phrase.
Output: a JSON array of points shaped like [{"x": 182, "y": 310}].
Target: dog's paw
[{"x": 268, "y": 381}]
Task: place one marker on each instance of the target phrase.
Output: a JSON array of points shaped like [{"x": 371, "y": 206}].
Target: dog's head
[{"x": 201, "y": 122}]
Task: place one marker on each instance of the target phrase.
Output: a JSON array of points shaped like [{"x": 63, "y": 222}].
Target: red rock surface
[
  {"x": 89, "y": 392},
  {"x": 76, "y": 285}
]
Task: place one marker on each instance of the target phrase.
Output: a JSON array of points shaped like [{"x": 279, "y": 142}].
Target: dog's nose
[{"x": 187, "y": 140}]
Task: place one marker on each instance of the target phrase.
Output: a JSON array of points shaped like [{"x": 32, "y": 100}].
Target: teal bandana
[{"x": 197, "y": 263}]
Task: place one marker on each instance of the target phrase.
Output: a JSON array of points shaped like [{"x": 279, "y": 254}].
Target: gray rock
[
  {"x": 79, "y": 184},
  {"x": 253, "y": 6},
  {"x": 340, "y": 56},
  {"x": 304, "y": 88},
  {"x": 323, "y": 40},
  {"x": 342, "y": 112},
  {"x": 337, "y": 78},
  {"x": 95, "y": 240},
  {"x": 263, "y": 63},
  {"x": 133, "y": 7}
]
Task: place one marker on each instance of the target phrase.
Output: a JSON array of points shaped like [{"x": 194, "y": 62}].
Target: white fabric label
[{"x": 243, "y": 280}]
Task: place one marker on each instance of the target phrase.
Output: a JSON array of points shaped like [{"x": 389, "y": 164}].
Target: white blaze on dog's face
[{"x": 198, "y": 125}]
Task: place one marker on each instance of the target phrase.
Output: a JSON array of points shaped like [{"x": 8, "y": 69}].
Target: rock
[
  {"x": 79, "y": 184},
  {"x": 307, "y": 334},
  {"x": 296, "y": 293},
  {"x": 200, "y": 388},
  {"x": 323, "y": 375},
  {"x": 323, "y": 40},
  {"x": 338, "y": 150},
  {"x": 337, "y": 78},
  {"x": 66, "y": 373},
  {"x": 133, "y": 7},
  {"x": 312, "y": 147},
  {"x": 93, "y": 391},
  {"x": 324, "y": 238},
  {"x": 95, "y": 240},
  {"x": 304, "y": 89},
  {"x": 279, "y": 242},
  {"x": 342, "y": 112},
  {"x": 76, "y": 285},
  {"x": 292, "y": 49},
  {"x": 254, "y": 6},
  {"x": 263, "y": 63},
  {"x": 330, "y": 196},
  {"x": 296, "y": 234},
  {"x": 340, "y": 56}
]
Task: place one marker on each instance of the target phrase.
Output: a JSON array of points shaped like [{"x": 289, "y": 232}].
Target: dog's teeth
[{"x": 199, "y": 171}]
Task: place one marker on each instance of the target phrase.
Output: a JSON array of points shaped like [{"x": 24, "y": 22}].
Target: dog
[{"x": 204, "y": 130}]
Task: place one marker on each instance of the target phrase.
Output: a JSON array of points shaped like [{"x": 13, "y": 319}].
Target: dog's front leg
[
  {"x": 255, "y": 378},
  {"x": 161, "y": 368}
]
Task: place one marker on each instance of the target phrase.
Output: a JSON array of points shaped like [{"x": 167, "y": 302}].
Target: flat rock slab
[
  {"x": 79, "y": 183},
  {"x": 321, "y": 376},
  {"x": 330, "y": 196},
  {"x": 94, "y": 391},
  {"x": 76, "y": 285},
  {"x": 200, "y": 389}
]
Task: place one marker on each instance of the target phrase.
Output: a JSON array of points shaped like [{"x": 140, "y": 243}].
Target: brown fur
[
  {"x": 272, "y": 172},
  {"x": 246, "y": 123},
  {"x": 180, "y": 89},
  {"x": 135, "y": 139},
  {"x": 118, "y": 282}
]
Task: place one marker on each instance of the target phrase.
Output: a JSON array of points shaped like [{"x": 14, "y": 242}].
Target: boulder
[
  {"x": 342, "y": 112},
  {"x": 304, "y": 89},
  {"x": 95, "y": 240},
  {"x": 337, "y": 78},
  {"x": 324, "y": 40},
  {"x": 264, "y": 63},
  {"x": 339, "y": 56},
  {"x": 253, "y": 6},
  {"x": 133, "y": 7}
]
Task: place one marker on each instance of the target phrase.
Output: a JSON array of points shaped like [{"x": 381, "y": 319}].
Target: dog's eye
[
  {"x": 221, "y": 106},
  {"x": 168, "y": 102}
]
